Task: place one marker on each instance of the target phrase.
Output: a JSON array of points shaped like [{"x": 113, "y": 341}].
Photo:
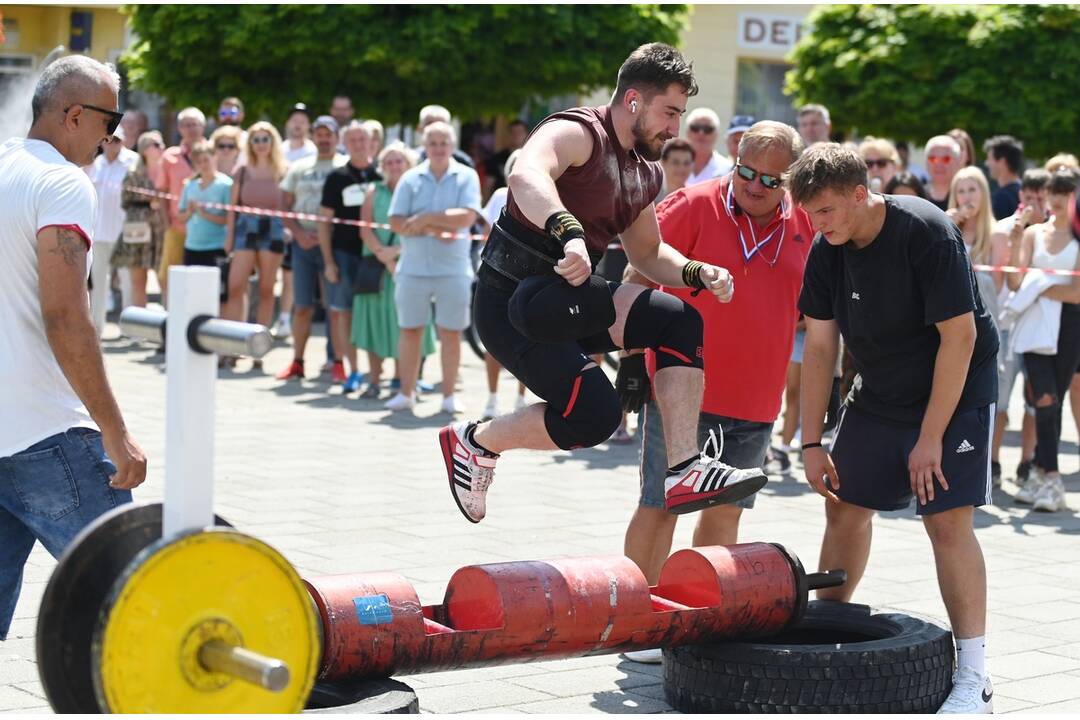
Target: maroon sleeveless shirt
[{"x": 608, "y": 192}]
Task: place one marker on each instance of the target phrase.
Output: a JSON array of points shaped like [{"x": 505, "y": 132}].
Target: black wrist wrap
[
  {"x": 691, "y": 275},
  {"x": 564, "y": 227}
]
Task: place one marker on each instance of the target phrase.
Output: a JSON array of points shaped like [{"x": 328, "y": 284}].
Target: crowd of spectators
[{"x": 404, "y": 290}]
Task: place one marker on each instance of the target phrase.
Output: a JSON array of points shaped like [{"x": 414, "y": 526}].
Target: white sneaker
[
  {"x": 469, "y": 469},
  {"x": 282, "y": 328},
  {"x": 450, "y": 404},
  {"x": 400, "y": 402},
  {"x": 1051, "y": 496},
  {"x": 1026, "y": 495},
  {"x": 709, "y": 481},
  {"x": 972, "y": 694},
  {"x": 654, "y": 656},
  {"x": 491, "y": 410}
]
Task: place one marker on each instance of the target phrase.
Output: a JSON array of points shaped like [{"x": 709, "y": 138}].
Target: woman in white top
[{"x": 1051, "y": 245}]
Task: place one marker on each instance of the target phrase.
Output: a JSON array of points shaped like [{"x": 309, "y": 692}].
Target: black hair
[
  {"x": 677, "y": 144},
  {"x": 908, "y": 180},
  {"x": 1007, "y": 148},
  {"x": 1063, "y": 182},
  {"x": 652, "y": 68},
  {"x": 1035, "y": 179}
]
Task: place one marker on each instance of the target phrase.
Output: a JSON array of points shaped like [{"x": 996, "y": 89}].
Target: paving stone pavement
[{"x": 341, "y": 485}]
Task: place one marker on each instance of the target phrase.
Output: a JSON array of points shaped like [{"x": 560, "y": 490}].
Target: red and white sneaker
[
  {"x": 469, "y": 469},
  {"x": 710, "y": 482}
]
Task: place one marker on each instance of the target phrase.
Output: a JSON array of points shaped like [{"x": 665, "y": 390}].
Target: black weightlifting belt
[{"x": 514, "y": 252}]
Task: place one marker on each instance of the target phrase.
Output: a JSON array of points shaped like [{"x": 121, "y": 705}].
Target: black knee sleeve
[
  {"x": 669, "y": 326},
  {"x": 590, "y": 414}
]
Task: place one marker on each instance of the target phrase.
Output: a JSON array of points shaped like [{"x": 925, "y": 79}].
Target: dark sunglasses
[
  {"x": 225, "y": 146},
  {"x": 878, "y": 163},
  {"x": 748, "y": 174},
  {"x": 260, "y": 139},
  {"x": 114, "y": 117},
  {"x": 707, "y": 129}
]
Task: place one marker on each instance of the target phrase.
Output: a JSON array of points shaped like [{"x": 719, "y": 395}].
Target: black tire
[
  {"x": 368, "y": 697},
  {"x": 840, "y": 658}
]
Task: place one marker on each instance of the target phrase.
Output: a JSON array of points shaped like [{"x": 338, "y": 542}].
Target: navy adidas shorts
[{"x": 871, "y": 459}]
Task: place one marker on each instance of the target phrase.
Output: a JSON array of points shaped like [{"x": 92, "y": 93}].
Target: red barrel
[{"x": 374, "y": 625}]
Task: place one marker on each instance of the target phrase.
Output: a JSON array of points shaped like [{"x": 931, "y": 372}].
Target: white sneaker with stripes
[
  {"x": 469, "y": 469},
  {"x": 709, "y": 481}
]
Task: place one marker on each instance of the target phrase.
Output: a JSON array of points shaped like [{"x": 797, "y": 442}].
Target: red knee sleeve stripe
[
  {"x": 573, "y": 396},
  {"x": 676, "y": 353}
]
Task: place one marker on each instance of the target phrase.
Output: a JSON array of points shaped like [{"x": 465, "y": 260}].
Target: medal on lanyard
[{"x": 748, "y": 251}]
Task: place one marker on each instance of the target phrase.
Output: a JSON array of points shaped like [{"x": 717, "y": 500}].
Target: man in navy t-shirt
[{"x": 890, "y": 274}]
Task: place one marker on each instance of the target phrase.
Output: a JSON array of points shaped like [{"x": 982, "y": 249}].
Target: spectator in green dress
[{"x": 374, "y": 324}]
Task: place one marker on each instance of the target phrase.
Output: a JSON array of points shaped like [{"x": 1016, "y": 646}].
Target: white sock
[
  {"x": 493, "y": 399},
  {"x": 971, "y": 652}
]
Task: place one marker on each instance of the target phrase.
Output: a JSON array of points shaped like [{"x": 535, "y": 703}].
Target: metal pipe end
[{"x": 831, "y": 578}]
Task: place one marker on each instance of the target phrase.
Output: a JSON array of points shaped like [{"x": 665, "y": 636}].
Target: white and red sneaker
[
  {"x": 710, "y": 482},
  {"x": 469, "y": 469}
]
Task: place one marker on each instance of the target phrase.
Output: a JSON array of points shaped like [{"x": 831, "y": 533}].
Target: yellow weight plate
[{"x": 213, "y": 585}]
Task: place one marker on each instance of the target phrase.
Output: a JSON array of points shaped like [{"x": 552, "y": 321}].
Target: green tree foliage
[
  {"x": 913, "y": 71},
  {"x": 391, "y": 59}
]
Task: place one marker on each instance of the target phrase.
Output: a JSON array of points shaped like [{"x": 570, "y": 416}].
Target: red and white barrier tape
[
  {"x": 247, "y": 210},
  {"x": 1014, "y": 269}
]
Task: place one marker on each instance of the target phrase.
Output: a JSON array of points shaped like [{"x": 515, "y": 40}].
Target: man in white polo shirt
[{"x": 58, "y": 471}]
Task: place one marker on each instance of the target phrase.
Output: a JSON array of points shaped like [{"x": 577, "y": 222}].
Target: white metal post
[{"x": 189, "y": 398}]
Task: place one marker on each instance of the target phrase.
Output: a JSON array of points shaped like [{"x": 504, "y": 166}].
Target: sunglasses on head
[
  {"x": 225, "y": 146},
  {"x": 707, "y": 129},
  {"x": 748, "y": 174},
  {"x": 878, "y": 163},
  {"x": 114, "y": 117}
]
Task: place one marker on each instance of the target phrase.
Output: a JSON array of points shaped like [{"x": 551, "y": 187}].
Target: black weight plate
[{"x": 77, "y": 588}]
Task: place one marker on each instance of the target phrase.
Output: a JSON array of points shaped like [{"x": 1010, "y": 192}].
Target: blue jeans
[{"x": 49, "y": 492}]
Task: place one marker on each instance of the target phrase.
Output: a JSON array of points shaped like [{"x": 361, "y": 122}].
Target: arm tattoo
[{"x": 69, "y": 245}]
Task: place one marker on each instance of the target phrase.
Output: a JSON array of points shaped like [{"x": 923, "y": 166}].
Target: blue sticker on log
[{"x": 373, "y": 610}]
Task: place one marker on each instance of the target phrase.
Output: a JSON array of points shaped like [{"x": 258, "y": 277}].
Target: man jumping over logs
[{"x": 584, "y": 176}]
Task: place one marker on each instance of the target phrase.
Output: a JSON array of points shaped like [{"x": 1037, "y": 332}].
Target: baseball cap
[
  {"x": 740, "y": 123},
  {"x": 299, "y": 107},
  {"x": 326, "y": 121}
]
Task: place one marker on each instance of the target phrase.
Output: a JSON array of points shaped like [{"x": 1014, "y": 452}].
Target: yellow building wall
[
  {"x": 712, "y": 43},
  {"x": 42, "y": 27}
]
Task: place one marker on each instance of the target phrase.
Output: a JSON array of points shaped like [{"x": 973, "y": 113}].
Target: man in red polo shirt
[{"x": 743, "y": 221}]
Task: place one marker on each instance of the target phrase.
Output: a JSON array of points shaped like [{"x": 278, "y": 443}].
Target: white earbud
[{"x": 633, "y": 106}]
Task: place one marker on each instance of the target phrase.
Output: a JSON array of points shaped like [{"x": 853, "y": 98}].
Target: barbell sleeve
[{"x": 241, "y": 663}]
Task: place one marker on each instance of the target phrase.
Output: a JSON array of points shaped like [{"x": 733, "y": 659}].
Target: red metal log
[{"x": 374, "y": 624}]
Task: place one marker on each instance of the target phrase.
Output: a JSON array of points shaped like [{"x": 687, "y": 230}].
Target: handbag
[
  {"x": 136, "y": 232},
  {"x": 369, "y": 275}
]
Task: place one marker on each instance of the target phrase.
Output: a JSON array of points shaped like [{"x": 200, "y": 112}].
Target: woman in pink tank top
[{"x": 255, "y": 241}]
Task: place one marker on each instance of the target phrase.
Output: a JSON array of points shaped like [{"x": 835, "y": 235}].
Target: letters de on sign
[{"x": 776, "y": 33}]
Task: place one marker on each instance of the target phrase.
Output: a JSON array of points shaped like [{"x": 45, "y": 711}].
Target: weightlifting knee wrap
[
  {"x": 669, "y": 326},
  {"x": 586, "y": 414}
]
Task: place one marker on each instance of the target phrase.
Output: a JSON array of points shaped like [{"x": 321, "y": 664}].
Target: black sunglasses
[
  {"x": 707, "y": 129},
  {"x": 877, "y": 163},
  {"x": 748, "y": 174},
  {"x": 114, "y": 117}
]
